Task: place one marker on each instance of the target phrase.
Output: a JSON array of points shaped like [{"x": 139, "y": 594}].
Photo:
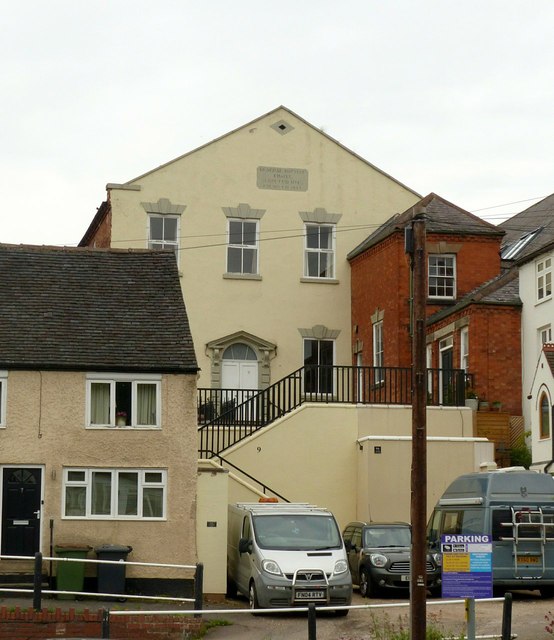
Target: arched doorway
[{"x": 239, "y": 378}]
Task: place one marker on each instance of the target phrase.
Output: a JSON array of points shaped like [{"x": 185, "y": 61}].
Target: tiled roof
[
  {"x": 92, "y": 309},
  {"x": 539, "y": 218},
  {"x": 501, "y": 290},
  {"x": 441, "y": 217}
]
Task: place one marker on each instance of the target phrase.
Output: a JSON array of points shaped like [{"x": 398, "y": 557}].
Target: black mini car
[{"x": 379, "y": 557}]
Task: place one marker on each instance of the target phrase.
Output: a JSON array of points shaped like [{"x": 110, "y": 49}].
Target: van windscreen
[{"x": 296, "y": 532}]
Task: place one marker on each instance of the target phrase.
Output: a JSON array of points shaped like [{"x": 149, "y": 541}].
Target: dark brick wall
[
  {"x": 380, "y": 280},
  {"x": 25, "y": 624}
]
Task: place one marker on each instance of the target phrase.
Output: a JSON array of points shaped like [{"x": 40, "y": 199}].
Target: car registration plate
[
  {"x": 528, "y": 559},
  {"x": 405, "y": 578},
  {"x": 310, "y": 595}
]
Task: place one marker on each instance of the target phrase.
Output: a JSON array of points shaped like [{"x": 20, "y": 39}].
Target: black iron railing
[{"x": 227, "y": 416}]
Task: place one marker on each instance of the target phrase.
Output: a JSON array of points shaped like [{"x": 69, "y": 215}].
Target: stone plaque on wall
[{"x": 282, "y": 179}]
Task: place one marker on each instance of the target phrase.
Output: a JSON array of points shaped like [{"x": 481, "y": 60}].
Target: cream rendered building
[{"x": 261, "y": 220}]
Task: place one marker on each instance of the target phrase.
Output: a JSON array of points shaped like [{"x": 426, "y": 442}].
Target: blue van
[{"x": 515, "y": 507}]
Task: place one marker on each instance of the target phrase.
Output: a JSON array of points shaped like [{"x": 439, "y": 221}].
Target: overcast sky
[{"x": 455, "y": 97}]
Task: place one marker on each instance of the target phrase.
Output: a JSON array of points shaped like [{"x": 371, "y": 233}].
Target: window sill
[
  {"x": 125, "y": 428},
  {"x": 242, "y": 276},
  {"x": 320, "y": 280},
  {"x": 119, "y": 518}
]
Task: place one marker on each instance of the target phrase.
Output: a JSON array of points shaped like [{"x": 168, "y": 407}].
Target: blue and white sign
[{"x": 466, "y": 566}]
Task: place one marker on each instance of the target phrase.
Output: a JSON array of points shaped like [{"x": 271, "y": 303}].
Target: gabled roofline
[
  {"x": 265, "y": 115},
  {"x": 400, "y": 220},
  {"x": 103, "y": 210}
]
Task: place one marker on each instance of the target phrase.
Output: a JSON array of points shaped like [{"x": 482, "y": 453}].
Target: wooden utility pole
[{"x": 418, "y": 579}]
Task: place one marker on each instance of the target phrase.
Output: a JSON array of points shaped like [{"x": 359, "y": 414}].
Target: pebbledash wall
[
  {"x": 56, "y": 437},
  {"x": 26, "y": 624}
]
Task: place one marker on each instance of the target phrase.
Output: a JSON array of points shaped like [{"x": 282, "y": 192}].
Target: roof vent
[{"x": 282, "y": 127}]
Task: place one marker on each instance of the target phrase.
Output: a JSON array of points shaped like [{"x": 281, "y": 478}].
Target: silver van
[
  {"x": 515, "y": 507},
  {"x": 286, "y": 555}
]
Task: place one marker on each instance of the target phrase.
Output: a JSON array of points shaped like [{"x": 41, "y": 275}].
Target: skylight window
[{"x": 512, "y": 250}]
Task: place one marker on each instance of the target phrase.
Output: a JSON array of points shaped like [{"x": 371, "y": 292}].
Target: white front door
[{"x": 239, "y": 378}]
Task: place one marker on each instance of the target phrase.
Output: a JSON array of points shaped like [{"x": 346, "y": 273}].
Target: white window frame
[
  {"x": 164, "y": 243},
  {"x": 464, "y": 349},
  {"x": 444, "y": 280},
  {"x": 86, "y": 482},
  {"x": 378, "y": 351},
  {"x": 3, "y": 396},
  {"x": 329, "y": 252},
  {"x": 543, "y": 271},
  {"x": 544, "y": 336},
  {"x": 242, "y": 247},
  {"x": 135, "y": 380}
]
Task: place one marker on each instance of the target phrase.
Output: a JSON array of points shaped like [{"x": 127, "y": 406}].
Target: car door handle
[{"x": 37, "y": 514}]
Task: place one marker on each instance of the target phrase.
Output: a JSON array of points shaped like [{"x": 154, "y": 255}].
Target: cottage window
[
  {"x": 123, "y": 402},
  {"x": 163, "y": 232},
  {"x": 242, "y": 249},
  {"x": 544, "y": 418},
  {"x": 319, "y": 251},
  {"x": 442, "y": 276},
  {"x": 114, "y": 493},
  {"x": 544, "y": 279}
]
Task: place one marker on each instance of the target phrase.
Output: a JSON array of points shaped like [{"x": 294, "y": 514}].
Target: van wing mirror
[
  {"x": 245, "y": 545},
  {"x": 348, "y": 545}
]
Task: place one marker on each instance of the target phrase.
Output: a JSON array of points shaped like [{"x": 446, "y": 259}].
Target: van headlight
[
  {"x": 340, "y": 566},
  {"x": 270, "y": 566},
  {"x": 378, "y": 560}
]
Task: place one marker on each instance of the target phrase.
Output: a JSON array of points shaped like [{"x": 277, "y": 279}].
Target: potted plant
[
  {"x": 472, "y": 400},
  {"x": 121, "y": 418},
  {"x": 497, "y": 405},
  {"x": 484, "y": 405}
]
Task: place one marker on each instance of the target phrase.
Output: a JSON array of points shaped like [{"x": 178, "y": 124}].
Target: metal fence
[
  {"x": 312, "y": 611},
  {"x": 38, "y": 591},
  {"x": 227, "y": 416}
]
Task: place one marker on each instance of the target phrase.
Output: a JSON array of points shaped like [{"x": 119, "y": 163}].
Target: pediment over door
[{"x": 264, "y": 350}]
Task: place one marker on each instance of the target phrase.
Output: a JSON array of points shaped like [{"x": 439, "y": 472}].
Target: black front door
[{"x": 21, "y": 511}]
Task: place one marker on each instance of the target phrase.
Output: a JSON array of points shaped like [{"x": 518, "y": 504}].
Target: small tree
[{"x": 520, "y": 456}]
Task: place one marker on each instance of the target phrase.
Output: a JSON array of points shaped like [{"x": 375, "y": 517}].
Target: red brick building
[{"x": 473, "y": 308}]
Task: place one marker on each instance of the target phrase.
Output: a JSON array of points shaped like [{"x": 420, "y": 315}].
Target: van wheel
[
  {"x": 341, "y": 613},
  {"x": 253, "y": 599},
  {"x": 366, "y": 590},
  {"x": 547, "y": 592}
]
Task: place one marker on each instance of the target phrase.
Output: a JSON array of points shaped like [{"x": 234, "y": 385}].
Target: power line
[{"x": 507, "y": 204}]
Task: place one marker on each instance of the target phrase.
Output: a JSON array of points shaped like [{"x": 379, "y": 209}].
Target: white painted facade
[{"x": 537, "y": 320}]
